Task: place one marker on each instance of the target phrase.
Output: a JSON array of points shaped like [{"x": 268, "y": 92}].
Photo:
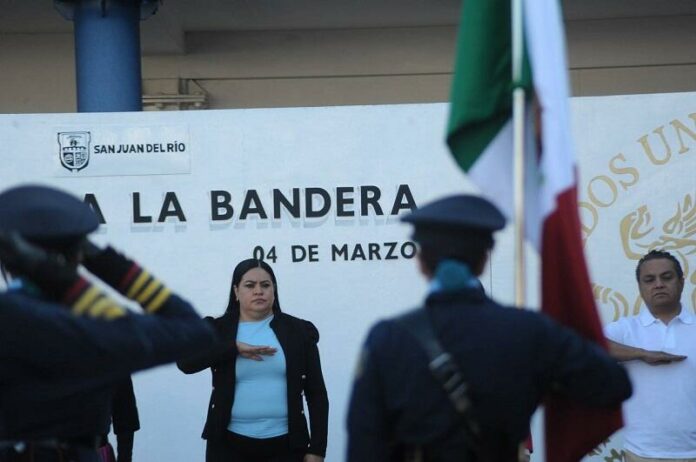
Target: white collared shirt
[{"x": 660, "y": 417}]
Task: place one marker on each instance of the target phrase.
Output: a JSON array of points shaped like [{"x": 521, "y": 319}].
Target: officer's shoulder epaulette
[
  {"x": 139, "y": 285},
  {"x": 86, "y": 299}
]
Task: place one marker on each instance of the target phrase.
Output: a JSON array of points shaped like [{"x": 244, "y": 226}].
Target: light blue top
[{"x": 260, "y": 408}]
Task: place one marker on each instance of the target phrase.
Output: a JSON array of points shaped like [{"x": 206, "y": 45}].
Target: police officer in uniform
[
  {"x": 124, "y": 422},
  {"x": 508, "y": 358},
  {"x": 64, "y": 343}
]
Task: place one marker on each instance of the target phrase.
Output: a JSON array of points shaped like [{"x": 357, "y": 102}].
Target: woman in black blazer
[{"x": 265, "y": 378}]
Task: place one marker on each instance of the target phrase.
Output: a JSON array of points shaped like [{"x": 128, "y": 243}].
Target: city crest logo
[{"x": 74, "y": 150}]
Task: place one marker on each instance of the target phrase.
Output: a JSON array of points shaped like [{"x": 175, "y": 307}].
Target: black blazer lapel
[
  {"x": 227, "y": 327},
  {"x": 282, "y": 330}
]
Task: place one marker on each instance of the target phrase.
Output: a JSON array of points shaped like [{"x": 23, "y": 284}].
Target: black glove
[
  {"x": 127, "y": 277},
  {"x": 49, "y": 271},
  {"x": 89, "y": 249},
  {"x": 107, "y": 264},
  {"x": 124, "y": 445}
]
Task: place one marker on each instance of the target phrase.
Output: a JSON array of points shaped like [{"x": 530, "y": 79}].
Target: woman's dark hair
[{"x": 239, "y": 271}]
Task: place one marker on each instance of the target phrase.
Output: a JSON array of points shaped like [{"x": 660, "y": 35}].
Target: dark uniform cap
[
  {"x": 463, "y": 211},
  {"x": 44, "y": 213},
  {"x": 445, "y": 223}
]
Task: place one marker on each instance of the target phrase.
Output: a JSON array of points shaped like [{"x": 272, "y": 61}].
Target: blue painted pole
[{"x": 107, "y": 55}]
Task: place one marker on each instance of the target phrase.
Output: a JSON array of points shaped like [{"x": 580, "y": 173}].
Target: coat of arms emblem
[{"x": 74, "y": 150}]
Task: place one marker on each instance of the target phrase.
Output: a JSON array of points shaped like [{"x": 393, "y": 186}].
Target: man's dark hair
[{"x": 656, "y": 254}]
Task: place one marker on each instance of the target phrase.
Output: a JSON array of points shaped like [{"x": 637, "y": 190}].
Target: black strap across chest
[{"x": 443, "y": 368}]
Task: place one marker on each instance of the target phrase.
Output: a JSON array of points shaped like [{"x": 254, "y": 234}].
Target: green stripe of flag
[{"x": 481, "y": 98}]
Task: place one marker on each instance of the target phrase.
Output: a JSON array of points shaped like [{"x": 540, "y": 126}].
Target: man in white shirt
[{"x": 659, "y": 347}]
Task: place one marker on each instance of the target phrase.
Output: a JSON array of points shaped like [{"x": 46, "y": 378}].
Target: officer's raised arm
[
  {"x": 42, "y": 234},
  {"x": 64, "y": 342}
]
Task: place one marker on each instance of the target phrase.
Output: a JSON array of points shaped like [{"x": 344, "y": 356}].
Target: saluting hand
[{"x": 255, "y": 352}]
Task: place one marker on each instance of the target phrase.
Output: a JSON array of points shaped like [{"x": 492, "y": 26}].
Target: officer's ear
[
  {"x": 423, "y": 267},
  {"x": 79, "y": 257},
  {"x": 479, "y": 268},
  {"x": 73, "y": 258}
]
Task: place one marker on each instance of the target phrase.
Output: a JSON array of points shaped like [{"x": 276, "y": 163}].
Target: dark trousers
[
  {"x": 41, "y": 453},
  {"x": 237, "y": 448}
]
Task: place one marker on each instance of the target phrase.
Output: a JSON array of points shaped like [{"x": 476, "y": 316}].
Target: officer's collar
[
  {"x": 24, "y": 286},
  {"x": 469, "y": 293}
]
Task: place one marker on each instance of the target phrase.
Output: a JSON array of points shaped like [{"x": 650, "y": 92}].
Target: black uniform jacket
[
  {"x": 510, "y": 359},
  {"x": 298, "y": 338},
  {"x": 57, "y": 370}
]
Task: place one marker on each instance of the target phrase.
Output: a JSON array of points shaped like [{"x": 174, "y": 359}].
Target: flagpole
[{"x": 518, "y": 118}]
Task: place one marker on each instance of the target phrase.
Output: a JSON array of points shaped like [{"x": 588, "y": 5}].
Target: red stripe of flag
[{"x": 572, "y": 430}]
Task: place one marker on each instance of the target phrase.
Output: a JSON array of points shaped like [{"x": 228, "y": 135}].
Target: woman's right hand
[{"x": 255, "y": 352}]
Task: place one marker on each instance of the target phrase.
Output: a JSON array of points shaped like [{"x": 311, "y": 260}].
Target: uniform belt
[
  {"x": 414, "y": 454},
  {"x": 85, "y": 442}
]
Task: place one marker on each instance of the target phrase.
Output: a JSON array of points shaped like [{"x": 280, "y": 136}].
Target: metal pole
[
  {"x": 518, "y": 120},
  {"x": 107, "y": 56},
  {"x": 518, "y": 117},
  {"x": 107, "y": 52}
]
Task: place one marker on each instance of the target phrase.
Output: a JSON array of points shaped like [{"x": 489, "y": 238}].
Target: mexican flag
[{"x": 480, "y": 138}]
